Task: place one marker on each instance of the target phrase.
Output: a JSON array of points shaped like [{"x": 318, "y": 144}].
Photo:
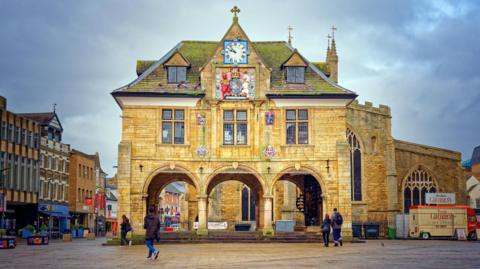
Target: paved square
[{"x": 371, "y": 255}]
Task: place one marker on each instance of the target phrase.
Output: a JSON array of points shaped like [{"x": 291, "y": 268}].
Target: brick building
[
  {"x": 82, "y": 187},
  {"x": 296, "y": 143},
  {"x": 19, "y": 169}
]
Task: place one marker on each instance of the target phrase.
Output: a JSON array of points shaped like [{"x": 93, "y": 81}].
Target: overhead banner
[{"x": 440, "y": 198}]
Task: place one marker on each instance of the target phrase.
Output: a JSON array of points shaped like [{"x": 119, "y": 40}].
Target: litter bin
[
  {"x": 357, "y": 230},
  {"x": 391, "y": 232},
  {"x": 371, "y": 230}
]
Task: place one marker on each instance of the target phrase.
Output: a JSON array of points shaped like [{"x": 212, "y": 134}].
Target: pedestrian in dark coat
[
  {"x": 337, "y": 221},
  {"x": 151, "y": 225},
  {"x": 327, "y": 222},
  {"x": 125, "y": 227}
]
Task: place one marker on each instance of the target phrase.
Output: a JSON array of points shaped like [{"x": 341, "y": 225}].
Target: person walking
[
  {"x": 125, "y": 227},
  {"x": 327, "y": 223},
  {"x": 337, "y": 221},
  {"x": 151, "y": 225}
]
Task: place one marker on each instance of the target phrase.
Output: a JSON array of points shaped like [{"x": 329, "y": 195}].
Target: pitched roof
[
  {"x": 153, "y": 79},
  {"x": 476, "y": 156},
  {"x": 42, "y": 118}
]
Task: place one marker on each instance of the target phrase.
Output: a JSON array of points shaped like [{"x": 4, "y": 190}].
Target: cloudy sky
[{"x": 422, "y": 58}]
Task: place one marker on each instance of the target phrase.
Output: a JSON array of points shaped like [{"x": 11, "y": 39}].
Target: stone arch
[
  {"x": 166, "y": 169},
  {"x": 424, "y": 178},
  {"x": 241, "y": 169},
  {"x": 292, "y": 169}
]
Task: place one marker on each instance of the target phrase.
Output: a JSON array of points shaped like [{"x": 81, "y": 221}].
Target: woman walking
[
  {"x": 125, "y": 227},
  {"x": 327, "y": 223}
]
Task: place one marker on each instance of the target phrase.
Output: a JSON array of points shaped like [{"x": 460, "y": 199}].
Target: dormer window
[
  {"x": 177, "y": 74},
  {"x": 295, "y": 74}
]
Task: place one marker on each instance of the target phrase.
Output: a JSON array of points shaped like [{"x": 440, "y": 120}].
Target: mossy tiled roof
[{"x": 153, "y": 78}]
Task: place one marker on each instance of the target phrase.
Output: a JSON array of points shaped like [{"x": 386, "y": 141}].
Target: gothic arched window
[
  {"x": 355, "y": 165},
  {"x": 417, "y": 185}
]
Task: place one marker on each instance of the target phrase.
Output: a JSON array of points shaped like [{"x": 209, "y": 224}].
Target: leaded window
[
  {"x": 177, "y": 74},
  {"x": 297, "y": 126},
  {"x": 417, "y": 185},
  {"x": 355, "y": 166},
  {"x": 295, "y": 74},
  {"x": 173, "y": 126},
  {"x": 248, "y": 205},
  {"x": 235, "y": 127}
]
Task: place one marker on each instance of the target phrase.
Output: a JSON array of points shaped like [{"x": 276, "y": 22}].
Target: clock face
[{"x": 235, "y": 52}]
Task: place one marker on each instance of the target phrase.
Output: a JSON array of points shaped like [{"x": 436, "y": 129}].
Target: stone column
[
  {"x": 267, "y": 215},
  {"x": 202, "y": 215},
  {"x": 392, "y": 182},
  {"x": 344, "y": 203},
  {"x": 124, "y": 180}
]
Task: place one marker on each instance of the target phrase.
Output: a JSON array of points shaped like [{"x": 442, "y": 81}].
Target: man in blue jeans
[
  {"x": 337, "y": 221},
  {"x": 151, "y": 225}
]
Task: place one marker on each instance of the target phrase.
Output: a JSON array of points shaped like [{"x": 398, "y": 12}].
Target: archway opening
[
  {"x": 298, "y": 197},
  {"x": 234, "y": 202},
  {"x": 174, "y": 197}
]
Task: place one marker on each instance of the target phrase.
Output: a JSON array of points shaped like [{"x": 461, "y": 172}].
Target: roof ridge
[
  {"x": 269, "y": 41},
  {"x": 200, "y": 41}
]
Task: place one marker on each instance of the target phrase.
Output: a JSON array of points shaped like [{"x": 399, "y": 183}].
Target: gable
[
  {"x": 295, "y": 60},
  {"x": 177, "y": 59},
  {"x": 54, "y": 122}
]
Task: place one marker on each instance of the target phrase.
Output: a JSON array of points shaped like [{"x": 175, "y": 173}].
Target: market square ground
[{"x": 393, "y": 254}]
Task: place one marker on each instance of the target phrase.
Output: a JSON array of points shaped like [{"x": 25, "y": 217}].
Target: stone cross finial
[
  {"x": 290, "y": 37},
  {"x": 235, "y": 10},
  {"x": 333, "y": 30}
]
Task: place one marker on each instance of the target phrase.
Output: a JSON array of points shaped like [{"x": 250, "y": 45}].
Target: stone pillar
[
  {"x": 392, "y": 183},
  {"x": 344, "y": 202},
  {"x": 267, "y": 228},
  {"x": 289, "y": 199},
  {"x": 123, "y": 180},
  {"x": 202, "y": 215}
]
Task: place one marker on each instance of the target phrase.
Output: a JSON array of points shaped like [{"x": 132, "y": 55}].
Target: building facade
[
  {"x": 19, "y": 169},
  {"x": 261, "y": 114},
  {"x": 111, "y": 208},
  {"x": 100, "y": 197},
  {"x": 54, "y": 172},
  {"x": 82, "y": 189}
]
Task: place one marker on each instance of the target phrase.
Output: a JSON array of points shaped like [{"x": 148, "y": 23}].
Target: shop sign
[
  {"x": 3, "y": 202},
  {"x": 88, "y": 201},
  {"x": 440, "y": 198}
]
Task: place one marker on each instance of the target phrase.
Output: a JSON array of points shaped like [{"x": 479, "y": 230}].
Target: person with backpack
[
  {"x": 125, "y": 227},
  {"x": 327, "y": 222},
  {"x": 151, "y": 225},
  {"x": 337, "y": 221}
]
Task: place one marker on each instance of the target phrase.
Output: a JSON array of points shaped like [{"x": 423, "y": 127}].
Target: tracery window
[
  {"x": 417, "y": 184},
  {"x": 355, "y": 166}
]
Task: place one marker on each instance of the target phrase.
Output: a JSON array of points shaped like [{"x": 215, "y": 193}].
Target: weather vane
[
  {"x": 54, "y": 106},
  {"x": 290, "y": 37},
  {"x": 333, "y": 30}
]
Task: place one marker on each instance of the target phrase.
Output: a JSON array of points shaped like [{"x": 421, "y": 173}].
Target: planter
[
  {"x": 6, "y": 243},
  {"x": 90, "y": 236},
  {"x": 67, "y": 237},
  {"x": 80, "y": 233},
  {"x": 37, "y": 240},
  {"x": 26, "y": 233}
]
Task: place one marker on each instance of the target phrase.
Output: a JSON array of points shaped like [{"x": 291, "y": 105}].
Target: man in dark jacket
[
  {"x": 337, "y": 221},
  {"x": 151, "y": 225}
]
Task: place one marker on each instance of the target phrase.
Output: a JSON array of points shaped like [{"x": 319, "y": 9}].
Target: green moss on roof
[
  {"x": 323, "y": 67},
  {"x": 143, "y": 65},
  {"x": 273, "y": 54}
]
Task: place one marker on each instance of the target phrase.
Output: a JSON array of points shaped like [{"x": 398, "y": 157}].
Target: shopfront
[{"x": 54, "y": 216}]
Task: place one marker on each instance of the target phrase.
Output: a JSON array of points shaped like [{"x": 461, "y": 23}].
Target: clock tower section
[{"x": 235, "y": 71}]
